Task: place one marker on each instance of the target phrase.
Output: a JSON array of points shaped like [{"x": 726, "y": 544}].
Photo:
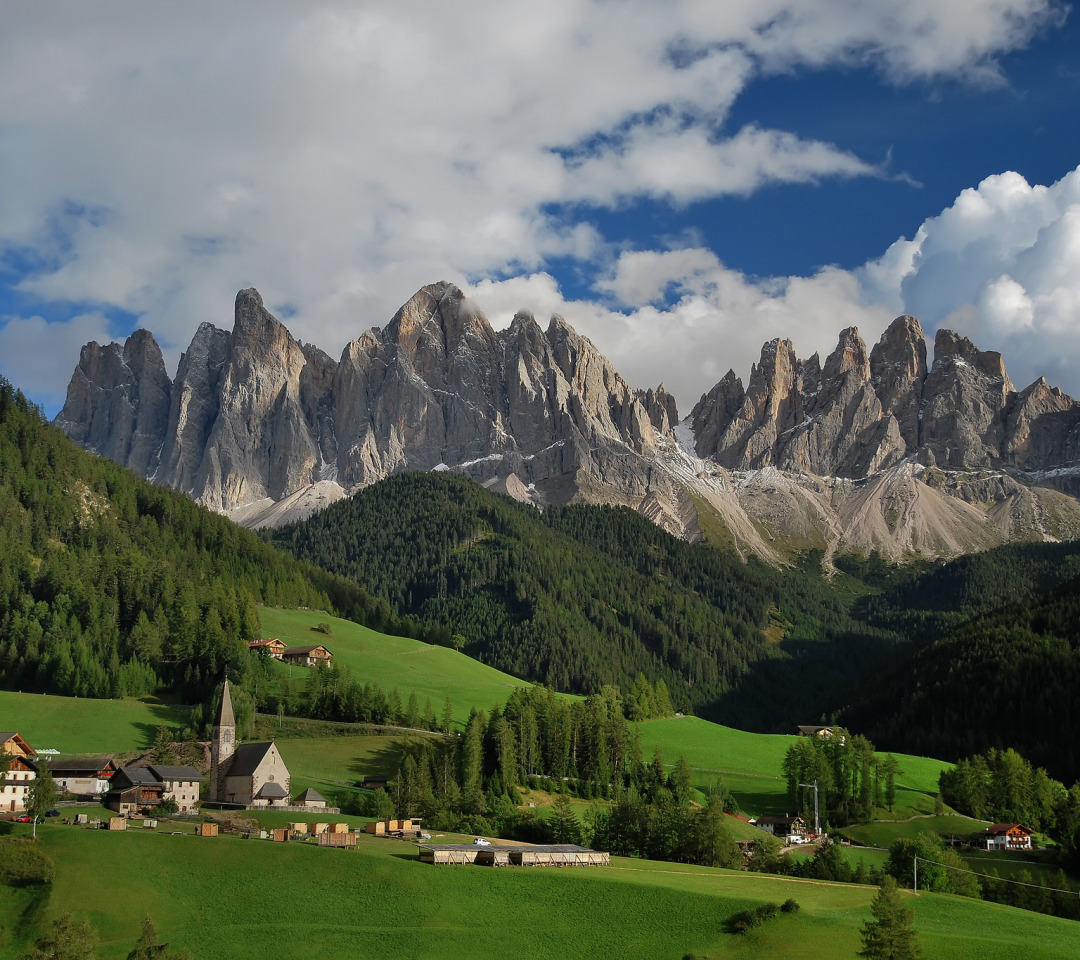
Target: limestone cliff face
[
  {"x": 870, "y": 450},
  {"x": 256, "y": 416},
  {"x": 118, "y": 402}
]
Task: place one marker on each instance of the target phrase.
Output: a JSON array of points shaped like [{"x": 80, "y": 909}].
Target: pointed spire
[{"x": 225, "y": 716}]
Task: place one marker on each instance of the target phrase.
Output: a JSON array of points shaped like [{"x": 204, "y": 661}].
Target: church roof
[
  {"x": 247, "y": 758},
  {"x": 225, "y": 715},
  {"x": 272, "y": 791},
  {"x": 311, "y": 795}
]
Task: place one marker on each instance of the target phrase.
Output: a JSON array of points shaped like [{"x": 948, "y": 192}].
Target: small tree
[
  {"x": 41, "y": 795},
  {"x": 148, "y": 948},
  {"x": 889, "y": 936}
]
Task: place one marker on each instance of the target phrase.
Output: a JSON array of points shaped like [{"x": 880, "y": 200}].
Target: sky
[{"x": 682, "y": 180}]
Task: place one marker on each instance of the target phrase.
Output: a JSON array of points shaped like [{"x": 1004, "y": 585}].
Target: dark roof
[
  {"x": 311, "y": 795},
  {"x": 998, "y": 828},
  {"x": 81, "y": 765},
  {"x": 176, "y": 773},
  {"x": 510, "y": 847},
  {"x": 272, "y": 791},
  {"x": 135, "y": 777},
  {"x": 299, "y": 651},
  {"x": 247, "y": 757}
]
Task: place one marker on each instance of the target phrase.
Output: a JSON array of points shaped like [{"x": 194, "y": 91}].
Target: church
[{"x": 248, "y": 774}]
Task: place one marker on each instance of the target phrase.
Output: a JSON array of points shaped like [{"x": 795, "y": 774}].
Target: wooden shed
[
  {"x": 515, "y": 855},
  {"x": 319, "y": 828},
  {"x": 300, "y": 829},
  {"x": 281, "y": 834},
  {"x": 206, "y": 830},
  {"x": 328, "y": 839},
  {"x": 340, "y": 828}
]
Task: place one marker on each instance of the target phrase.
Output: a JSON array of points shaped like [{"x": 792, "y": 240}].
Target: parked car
[
  {"x": 25, "y": 818},
  {"x": 52, "y": 813},
  {"x": 481, "y": 842}
]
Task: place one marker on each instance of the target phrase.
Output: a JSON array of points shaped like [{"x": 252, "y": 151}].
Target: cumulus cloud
[
  {"x": 1002, "y": 265},
  {"x": 339, "y": 154}
]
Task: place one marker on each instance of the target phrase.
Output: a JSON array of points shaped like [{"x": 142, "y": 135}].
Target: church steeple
[{"x": 222, "y": 745}]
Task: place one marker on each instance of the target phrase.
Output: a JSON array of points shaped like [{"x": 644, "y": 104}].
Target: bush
[
  {"x": 790, "y": 905},
  {"x": 750, "y": 919},
  {"x": 22, "y": 864}
]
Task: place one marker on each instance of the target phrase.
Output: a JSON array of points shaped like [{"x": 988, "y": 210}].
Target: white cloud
[
  {"x": 1002, "y": 264},
  {"x": 339, "y": 154},
  {"x": 25, "y": 358}
]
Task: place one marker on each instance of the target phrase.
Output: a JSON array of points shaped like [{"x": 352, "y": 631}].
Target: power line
[{"x": 1021, "y": 883}]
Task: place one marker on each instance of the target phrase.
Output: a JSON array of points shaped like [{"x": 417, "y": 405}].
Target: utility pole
[{"x": 817, "y": 822}]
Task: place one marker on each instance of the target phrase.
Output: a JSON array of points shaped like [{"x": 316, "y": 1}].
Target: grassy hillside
[
  {"x": 228, "y": 898},
  {"x": 77, "y": 725},
  {"x": 431, "y": 672},
  {"x": 750, "y": 764}
]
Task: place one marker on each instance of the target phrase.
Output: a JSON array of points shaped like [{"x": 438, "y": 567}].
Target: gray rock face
[
  {"x": 118, "y": 402},
  {"x": 872, "y": 450}
]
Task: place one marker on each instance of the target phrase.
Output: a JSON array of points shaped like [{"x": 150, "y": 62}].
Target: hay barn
[{"x": 514, "y": 855}]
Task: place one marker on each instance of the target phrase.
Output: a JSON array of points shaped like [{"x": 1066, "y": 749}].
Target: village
[{"x": 254, "y": 777}]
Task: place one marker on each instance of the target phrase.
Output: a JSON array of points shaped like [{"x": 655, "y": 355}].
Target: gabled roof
[
  {"x": 247, "y": 758},
  {"x": 88, "y": 765},
  {"x": 7, "y": 736},
  {"x": 311, "y": 795},
  {"x": 272, "y": 791},
  {"x": 135, "y": 777},
  {"x": 175, "y": 773},
  {"x": 302, "y": 651},
  {"x": 997, "y": 829}
]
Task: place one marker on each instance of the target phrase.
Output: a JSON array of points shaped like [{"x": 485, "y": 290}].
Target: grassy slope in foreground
[
  {"x": 229, "y": 898},
  {"x": 412, "y": 666},
  {"x": 77, "y": 725}
]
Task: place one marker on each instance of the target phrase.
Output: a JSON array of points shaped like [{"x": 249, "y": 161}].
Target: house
[
  {"x": 251, "y": 774},
  {"x": 1007, "y": 836},
  {"x": 272, "y": 646},
  {"x": 788, "y": 829},
  {"x": 134, "y": 790},
  {"x": 310, "y": 798},
  {"x": 85, "y": 776},
  {"x": 14, "y": 745},
  {"x": 316, "y": 656},
  {"x": 816, "y": 730},
  {"x": 22, "y": 770},
  {"x": 181, "y": 784}
]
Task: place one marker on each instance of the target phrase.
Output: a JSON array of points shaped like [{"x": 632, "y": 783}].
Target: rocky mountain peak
[{"x": 848, "y": 357}]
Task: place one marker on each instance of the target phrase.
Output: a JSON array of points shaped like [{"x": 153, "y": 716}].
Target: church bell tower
[{"x": 222, "y": 745}]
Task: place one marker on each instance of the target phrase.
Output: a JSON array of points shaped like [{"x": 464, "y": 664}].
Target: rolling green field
[
  {"x": 230, "y": 898},
  {"x": 79, "y": 726},
  {"x": 750, "y": 764},
  {"x": 410, "y": 665},
  {"x": 340, "y": 761},
  {"x": 883, "y": 833}
]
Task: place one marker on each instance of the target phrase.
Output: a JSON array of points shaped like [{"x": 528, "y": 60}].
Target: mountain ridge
[{"x": 872, "y": 450}]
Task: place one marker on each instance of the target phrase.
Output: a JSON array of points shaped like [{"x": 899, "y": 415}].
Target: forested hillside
[
  {"x": 110, "y": 586},
  {"x": 1008, "y": 678},
  {"x": 581, "y": 596}
]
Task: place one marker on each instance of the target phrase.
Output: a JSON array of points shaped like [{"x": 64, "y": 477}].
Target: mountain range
[{"x": 871, "y": 450}]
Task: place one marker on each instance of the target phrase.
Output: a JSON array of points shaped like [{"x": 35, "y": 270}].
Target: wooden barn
[
  {"x": 328, "y": 839},
  {"x": 514, "y": 855}
]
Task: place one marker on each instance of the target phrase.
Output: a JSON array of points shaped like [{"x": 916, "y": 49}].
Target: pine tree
[
  {"x": 71, "y": 938},
  {"x": 889, "y": 936}
]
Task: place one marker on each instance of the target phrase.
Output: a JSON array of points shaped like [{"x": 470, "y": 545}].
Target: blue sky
[{"x": 681, "y": 180}]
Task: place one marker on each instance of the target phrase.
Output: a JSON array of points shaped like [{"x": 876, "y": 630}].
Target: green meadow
[
  {"x": 750, "y": 764},
  {"x": 232, "y": 899},
  {"x": 75, "y": 725},
  {"x": 431, "y": 672}
]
